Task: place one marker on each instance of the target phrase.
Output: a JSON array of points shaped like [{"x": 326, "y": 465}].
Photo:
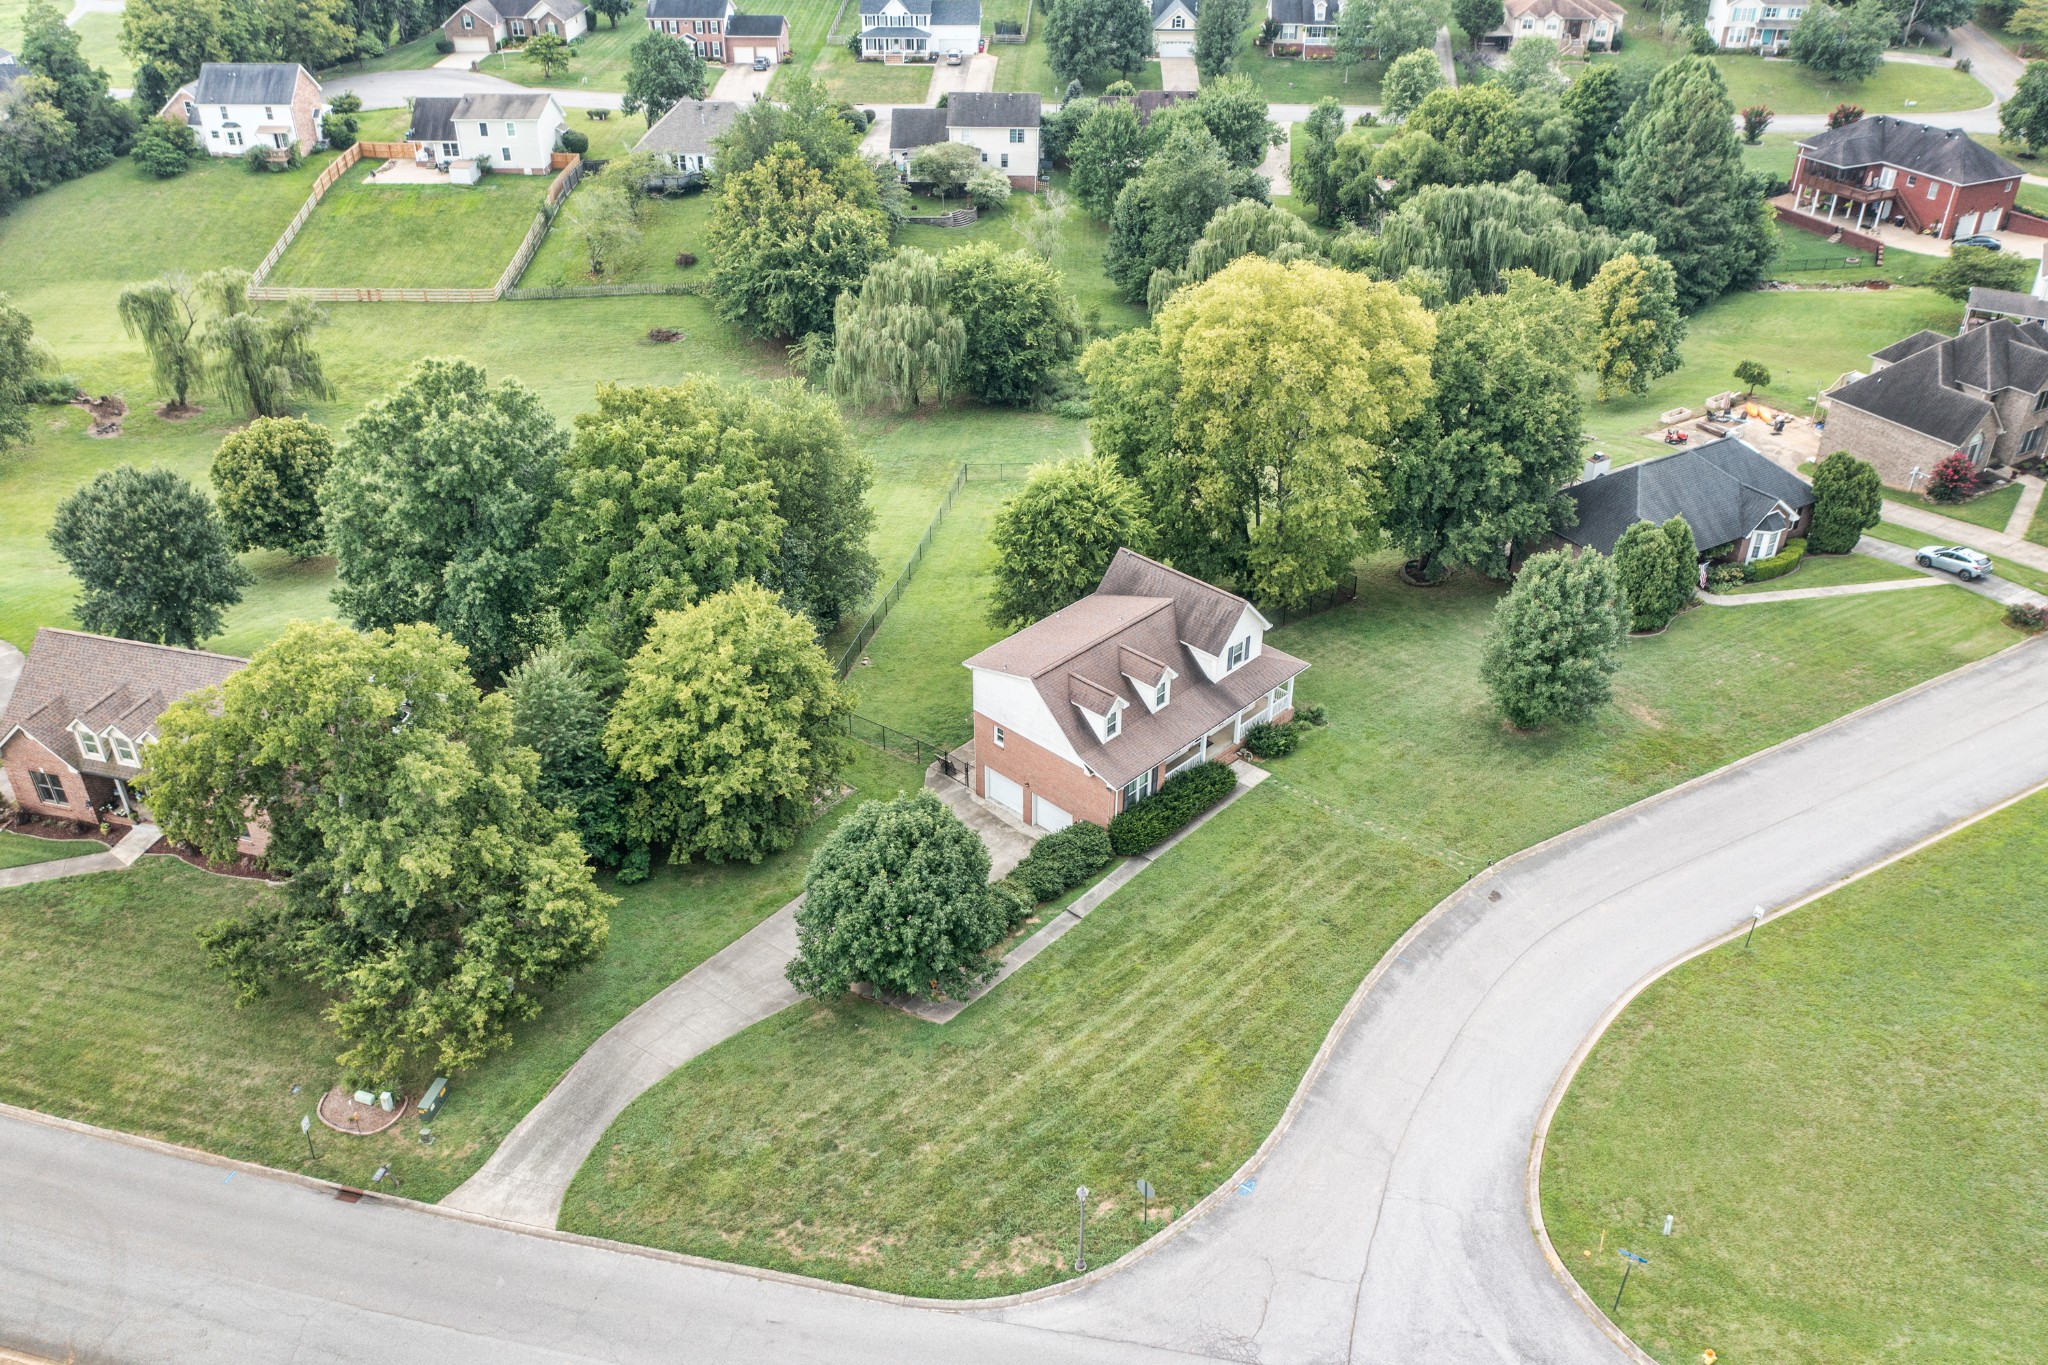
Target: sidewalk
[
  {"x": 133, "y": 845},
  {"x": 2023, "y": 511},
  {"x": 1948, "y": 531},
  {"x": 1751, "y": 599}
]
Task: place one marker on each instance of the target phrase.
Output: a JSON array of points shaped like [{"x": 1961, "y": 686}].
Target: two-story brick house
[
  {"x": 720, "y": 33},
  {"x": 83, "y": 710},
  {"x": 1093, "y": 708},
  {"x": 1882, "y": 169},
  {"x": 1576, "y": 26},
  {"x": 487, "y": 25},
  {"x": 234, "y": 106},
  {"x": 1984, "y": 393}
]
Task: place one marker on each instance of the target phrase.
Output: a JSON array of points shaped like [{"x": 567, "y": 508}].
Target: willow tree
[
  {"x": 165, "y": 315},
  {"x": 898, "y": 343},
  {"x": 1468, "y": 236},
  {"x": 260, "y": 360},
  {"x": 1245, "y": 228}
]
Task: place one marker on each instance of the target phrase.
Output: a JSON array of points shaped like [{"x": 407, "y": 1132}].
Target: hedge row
[
  {"x": 1778, "y": 565},
  {"x": 1153, "y": 821},
  {"x": 1063, "y": 860}
]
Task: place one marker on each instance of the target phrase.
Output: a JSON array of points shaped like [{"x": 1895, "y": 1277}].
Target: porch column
[{"x": 121, "y": 790}]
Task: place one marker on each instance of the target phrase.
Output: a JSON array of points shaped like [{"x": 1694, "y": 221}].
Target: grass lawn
[
  {"x": 1774, "y": 156},
  {"x": 668, "y": 226},
  {"x": 99, "y": 42},
  {"x": 602, "y": 58},
  {"x": 1291, "y": 80},
  {"x": 1991, "y": 511},
  {"x": 1162, "y": 1038},
  {"x": 2037, "y": 529},
  {"x": 1808, "y": 258},
  {"x": 19, "y": 850},
  {"x": 415, "y": 55},
  {"x": 1785, "y": 87},
  {"x": 1808, "y": 340},
  {"x": 848, "y": 78},
  {"x": 1846, "y": 1118},
  {"x": 112, "y": 1015},
  {"x": 413, "y": 236},
  {"x": 1831, "y": 571}
]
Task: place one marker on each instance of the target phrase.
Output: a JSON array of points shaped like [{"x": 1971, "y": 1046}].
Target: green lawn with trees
[
  {"x": 411, "y": 236},
  {"x": 1830, "y": 571},
  {"x": 601, "y": 57},
  {"x": 1845, "y": 1118},
  {"x": 1151, "y": 1042}
]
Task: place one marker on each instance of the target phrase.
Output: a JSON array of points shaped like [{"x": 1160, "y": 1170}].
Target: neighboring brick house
[
  {"x": 1173, "y": 27},
  {"x": 1306, "y": 28},
  {"x": 517, "y": 132},
  {"x": 1577, "y": 26},
  {"x": 1984, "y": 393},
  {"x": 720, "y": 32},
  {"x": 1094, "y": 707},
  {"x": 1728, "y": 492},
  {"x": 486, "y": 25},
  {"x": 234, "y": 106},
  {"x": 918, "y": 30},
  {"x": 1002, "y": 126},
  {"x": 1882, "y": 169},
  {"x": 72, "y": 737}
]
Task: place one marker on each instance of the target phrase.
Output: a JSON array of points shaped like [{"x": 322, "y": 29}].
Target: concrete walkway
[
  {"x": 1941, "y": 530},
  {"x": 2023, "y": 511},
  {"x": 1996, "y": 588},
  {"x": 132, "y": 846},
  {"x": 1755, "y": 599},
  {"x": 1179, "y": 73}
]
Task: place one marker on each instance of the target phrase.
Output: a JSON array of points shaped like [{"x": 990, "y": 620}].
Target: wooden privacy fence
[
  {"x": 851, "y": 654},
  {"x": 957, "y": 218},
  {"x": 570, "y": 171}
]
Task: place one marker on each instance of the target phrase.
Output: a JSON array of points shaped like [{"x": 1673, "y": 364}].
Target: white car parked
[{"x": 1963, "y": 563}]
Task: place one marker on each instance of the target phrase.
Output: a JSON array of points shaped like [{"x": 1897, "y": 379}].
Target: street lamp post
[{"x": 1081, "y": 1252}]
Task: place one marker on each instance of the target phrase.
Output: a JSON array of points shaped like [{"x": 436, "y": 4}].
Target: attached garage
[
  {"x": 1176, "y": 49},
  {"x": 478, "y": 43},
  {"x": 1003, "y": 791},
  {"x": 1966, "y": 225},
  {"x": 1047, "y": 816},
  {"x": 745, "y": 50}
]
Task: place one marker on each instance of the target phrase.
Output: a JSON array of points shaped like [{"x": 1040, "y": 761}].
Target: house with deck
[
  {"x": 1882, "y": 169},
  {"x": 1081, "y": 714},
  {"x": 1304, "y": 28}
]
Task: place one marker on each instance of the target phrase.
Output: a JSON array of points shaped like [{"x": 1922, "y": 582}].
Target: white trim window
[
  {"x": 49, "y": 788},
  {"x": 1240, "y": 650},
  {"x": 1763, "y": 544},
  {"x": 1163, "y": 693},
  {"x": 1112, "y": 722},
  {"x": 996, "y": 734},
  {"x": 124, "y": 752},
  {"x": 1137, "y": 789},
  {"x": 89, "y": 744}
]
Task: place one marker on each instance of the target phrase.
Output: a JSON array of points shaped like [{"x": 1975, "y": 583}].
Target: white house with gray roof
[
  {"x": 918, "y": 30},
  {"x": 687, "y": 136},
  {"x": 1002, "y": 126},
  {"x": 517, "y": 132},
  {"x": 234, "y": 106},
  {"x": 1173, "y": 27}
]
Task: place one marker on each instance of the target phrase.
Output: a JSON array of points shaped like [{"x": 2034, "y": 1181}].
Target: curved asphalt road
[{"x": 1388, "y": 1224}]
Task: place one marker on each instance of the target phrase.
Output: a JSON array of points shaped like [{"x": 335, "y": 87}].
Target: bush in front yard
[
  {"x": 1778, "y": 565},
  {"x": 1953, "y": 478},
  {"x": 1153, "y": 821},
  {"x": 1267, "y": 740},
  {"x": 2027, "y": 617},
  {"x": 1063, "y": 860}
]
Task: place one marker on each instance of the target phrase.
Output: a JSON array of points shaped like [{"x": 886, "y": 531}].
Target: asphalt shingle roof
[
  {"x": 687, "y": 9},
  {"x": 983, "y": 109},
  {"x": 913, "y": 6},
  {"x": 70, "y": 675},
  {"x": 1881, "y": 139},
  {"x": 1923, "y": 386},
  {"x": 910, "y": 128},
  {"x": 1724, "y": 490},
  {"x": 1302, "y": 12},
  {"x": 2007, "y": 302},
  {"x": 689, "y": 127},
  {"x": 433, "y": 118},
  {"x": 1160, "y": 7},
  {"x": 755, "y": 25},
  {"x": 246, "y": 82},
  {"x": 956, "y": 13},
  {"x": 503, "y": 106}
]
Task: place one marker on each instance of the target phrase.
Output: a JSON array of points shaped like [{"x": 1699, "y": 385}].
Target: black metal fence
[
  {"x": 922, "y": 751},
  {"x": 1344, "y": 590},
  {"x": 851, "y": 655}
]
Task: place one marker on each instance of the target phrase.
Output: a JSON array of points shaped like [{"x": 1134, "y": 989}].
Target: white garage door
[
  {"x": 1966, "y": 225},
  {"x": 1168, "y": 49},
  {"x": 1003, "y": 792},
  {"x": 472, "y": 44},
  {"x": 744, "y": 55},
  {"x": 1048, "y": 816}
]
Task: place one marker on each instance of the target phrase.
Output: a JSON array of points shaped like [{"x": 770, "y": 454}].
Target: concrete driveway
[
  {"x": 976, "y": 72},
  {"x": 742, "y": 84},
  {"x": 1388, "y": 1220},
  {"x": 1996, "y": 588},
  {"x": 1179, "y": 73}
]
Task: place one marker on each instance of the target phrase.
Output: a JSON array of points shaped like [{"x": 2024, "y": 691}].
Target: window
[
  {"x": 483, "y": 130},
  {"x": 89, "y": 744},
  {"x": 450, "y": 150},
  {"x": 49, "y": 789},
  {"x": 1932, "y": 186},
  {"x": 267, "y": 113},
  {"x": 223, "y": 111},
  {"x": 511, "y": 131},
  {"x": 1137, "y": 789},
  {"x": 1240, "y": 650},
  {"x": 469, "y": 21},
  {"x": 1161, "y": 692},
  {"x": 1111, "y": 722},
  {"x": 2041, "y": 400},
  {"x": 1280, "y": 695},
  {"x": 1528, "y": 24},
  {"x": 1912, "y": 180},
  {"x": 997, "y": 735},
  {"x": 1764, "y": 544},
  {"x": 1180, "y": 21},
  {"x": 1006, "y": 161},
  {"x": 234, "y": 138},
  {"x": 504, "y": 156},
  {"x": 123, "y": 750},
  {"x": 1016, "y": 135},
  {"x": 2031, "y": 442}
]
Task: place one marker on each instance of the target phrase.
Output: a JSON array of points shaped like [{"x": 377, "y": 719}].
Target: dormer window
[
  {"x": 1161, "y": 693},
  {"x": 1112, "y": 722},
  {"x": 1240, "y": 650},
  {"x": 1322, "y": 10},
  {"x": 123, "y": 751},
  {"x": 89, "y": 744}
]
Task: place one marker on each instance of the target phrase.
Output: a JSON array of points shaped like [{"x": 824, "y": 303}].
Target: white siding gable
[
  {"x": 1250, "y": 629},
  {"x": 1013, "y": 703}
]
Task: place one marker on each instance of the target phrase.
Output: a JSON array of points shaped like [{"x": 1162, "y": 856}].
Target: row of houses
[{"x": 1308, "y": 28}]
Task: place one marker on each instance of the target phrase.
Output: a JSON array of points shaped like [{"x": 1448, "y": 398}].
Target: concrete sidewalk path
[
  {"x": 132, "y": 846},
  {"x": 2023, "y": 511},
  {"x": 1752, "y": 599},
  {"x": 1941, "y": 530},
  {"x": 1996, "y": 588}
]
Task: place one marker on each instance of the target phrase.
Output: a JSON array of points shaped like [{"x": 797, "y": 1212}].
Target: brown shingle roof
[{"x": 71, "y": 675}]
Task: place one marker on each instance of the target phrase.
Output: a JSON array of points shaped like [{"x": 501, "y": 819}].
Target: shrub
[
  {"x": 1013, "y": 900},
  {"x": 1063, "y": 860},
  {"x": 1153, "y": 821},
  {"x": 2027, "y": 617},
  {"x": 1267, "y": 740},
  {"x": 1722, "y": 577},
  {"x": 1312, "y": 714},
  {"x": 165, "y": 147},
  {"x": 574, "y": 140},
  {"x": 1962, "y": 64},
  {"x": 52, "y": 389},
  {"x": 256, "y": 160},
  {"x": 685, "y": 259},
  {"x": 444, "y": 45},
  {"x": 1778, "y": 565},
  {"x": 339, "y": 131},
  {"x": 1952, "y": 479},
  {"x": 1844, "y": 114},
  {"x": 1755, "y": 120}
]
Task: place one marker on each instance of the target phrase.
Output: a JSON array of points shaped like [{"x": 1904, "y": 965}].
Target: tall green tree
[
  {"x": 1633, "y": 306},
  {"x": 897, "y": 342},
  {"x": 1458, "y": 136},
  {"x": 165, "y": 316},
  {"x": 1477, "y": 18},
  {"x": 557, "y": 713},
  {"x": 1680, "y": 179},
  {"x": 430, "y": 896},
  {"x": 1973, "y": 267},
  {"x": 1482, "y": 480},
  {"x": 1084, "y": 38},
  {"x": 548, "y": 51},
  {"x": 1413, "y": 78},
  {"x": 267, "y": 477},
  {"x": 1352, "y": 44},
  {"x": 150, "y": 555},
  {"x": 1685, "y": 561},
  {"x": 1843, "y": 43},
  {"x": 166, "y": 148},
  {"x": 1596, "y": 103},
  {"x": 1021, "y": 326},
  {"x": 803, "y": 116},
  {"x": 728, "y": 730},
  {"x": 1053, "y": 541},
  {"x": 615, "y": 10},
  {"x": 1550, "y": 654},
  {"x": 898, "y": 898},
  {"x": 1245, "y": 228},
  {"x": 2024, "y": 117},
  {"x": 661, "y": 74},
  {"x": 1219, "y": 33},
  {"x": 434, "y": 505},
  {"x": 1470, "y": 236},
  {"x": 259, "y": 360},
  {"x": 1403, "y": 26},
  {"x": 22, "y": 357},
  {"x": 103, "y": 127},
  {"x": 1256, "y": 415},
  {"x": 1161, "y": 213},
  {"x": 1107, "y": 154},
  {"x": 1235, "y": 112},
  {"x": 1315, "y": 163},
  {"x": 1646, "y": 569},
  {"x": 1532, "y": 66},
  {"x": 1848, "y": 499},
  {"x": 785, "y": 243}
]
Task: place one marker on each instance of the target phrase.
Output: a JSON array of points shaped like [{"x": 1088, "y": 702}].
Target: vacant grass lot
[
  {"x": 668, "y": 227},
  {"x": 1847, "y": 1119},
  {"x": 1808, "y": 341},
  {"x": 1162, "y": 1038},
  {"x": 20, "y": 850},
  {"x": 1831, "y": 571},
  {"x": 1785, "y": 87},
  {"x": 109, "y": 1013},
  {"x": 412, "y": 236}
]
